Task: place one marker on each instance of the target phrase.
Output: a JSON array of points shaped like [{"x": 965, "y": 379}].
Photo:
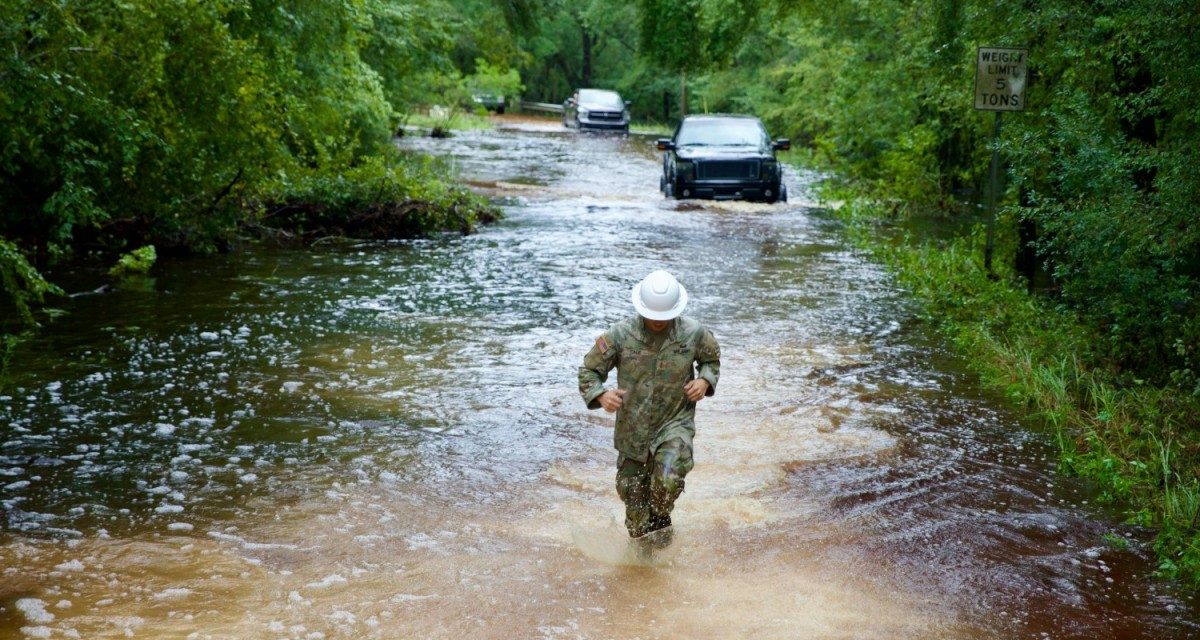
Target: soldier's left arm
[{"x": 708, "y": 359}]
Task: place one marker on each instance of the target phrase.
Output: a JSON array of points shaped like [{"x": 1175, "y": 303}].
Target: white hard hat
[{"x": 659, "y": 296}]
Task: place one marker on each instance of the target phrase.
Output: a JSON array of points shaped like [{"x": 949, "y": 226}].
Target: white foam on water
[
  {"x": 219, "y": 535},
  {"x": 70, "y": 565},
  {"x": 421, "y": 540},
  {"x": 401, "y": 598},
  {"x": 735, "y": 206},
  {"x": 34, "y": 610},
  {"x": 332, "y": 580}
]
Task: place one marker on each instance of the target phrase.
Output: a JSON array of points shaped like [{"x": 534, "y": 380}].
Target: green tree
[
  {"x": 406, "y": 41},
  {"x": 164, "y": 122},
  {"x": 691, "y": 36}
]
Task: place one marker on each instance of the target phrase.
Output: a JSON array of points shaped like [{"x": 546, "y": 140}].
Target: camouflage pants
[{"x": 649, "y": 488}]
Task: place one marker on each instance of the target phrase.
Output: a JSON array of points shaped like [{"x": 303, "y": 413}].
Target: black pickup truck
[{"x": 722, "y": 157}]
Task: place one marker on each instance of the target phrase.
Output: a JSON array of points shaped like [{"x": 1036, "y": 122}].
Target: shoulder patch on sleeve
[{"x": 603, "y": 343}]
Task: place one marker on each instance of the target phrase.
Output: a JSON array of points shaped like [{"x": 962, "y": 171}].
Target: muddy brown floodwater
[{"x": 385, "y": 441}]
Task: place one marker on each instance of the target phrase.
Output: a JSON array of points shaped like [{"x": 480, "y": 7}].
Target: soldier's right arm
[{"x": 596, "y": 364}]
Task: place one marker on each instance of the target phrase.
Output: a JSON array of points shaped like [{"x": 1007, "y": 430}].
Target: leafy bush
[
  {"x": 494, "y": 80},
  {"x": 136, "y": 262},
  {"x": 20, "y": 284},
  {"x": 147, "y": 122},
  {"x": 391, "y": 195}
]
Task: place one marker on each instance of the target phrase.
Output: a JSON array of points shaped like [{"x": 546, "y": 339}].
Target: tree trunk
[
  {"x": 586, "y": 42},
  {"x": 1134, "y": 80},
  {"x": 683, "y": 95},
  {"x": 1026, "y": 259}
]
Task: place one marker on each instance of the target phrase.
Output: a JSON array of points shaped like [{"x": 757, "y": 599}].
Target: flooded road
[{"x": 385, "y": 441}]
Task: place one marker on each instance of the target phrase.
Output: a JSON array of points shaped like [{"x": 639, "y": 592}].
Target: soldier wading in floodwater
[{"x": 655, "y": 399}]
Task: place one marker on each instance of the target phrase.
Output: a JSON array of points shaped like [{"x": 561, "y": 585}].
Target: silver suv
[{"x": 596, "y": 109}]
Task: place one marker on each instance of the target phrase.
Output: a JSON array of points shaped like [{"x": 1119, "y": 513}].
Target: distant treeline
[{"x": 189, "y": 124}]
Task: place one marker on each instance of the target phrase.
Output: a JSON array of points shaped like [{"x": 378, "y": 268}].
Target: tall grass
[{"x": 1137, "y": 443}]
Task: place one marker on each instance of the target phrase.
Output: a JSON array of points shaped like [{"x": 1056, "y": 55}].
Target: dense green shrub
[
  {"x": 391, "y": 195},
  {"x": 20, "y": 287},
  {"x": 137, "y": 118},
  {"x": 135, "y": 263},
  {"x": 494, "y": 80},
  {"x": 160, "y": 121}
]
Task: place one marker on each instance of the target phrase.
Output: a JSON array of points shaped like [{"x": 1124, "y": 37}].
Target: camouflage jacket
[{"x": 654, "y": 409}]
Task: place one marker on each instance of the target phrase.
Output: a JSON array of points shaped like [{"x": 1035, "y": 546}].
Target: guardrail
[{"x": 547, "y": 107}]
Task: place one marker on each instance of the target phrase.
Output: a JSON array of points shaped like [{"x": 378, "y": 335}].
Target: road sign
[{"x": 1000, "y": 79}]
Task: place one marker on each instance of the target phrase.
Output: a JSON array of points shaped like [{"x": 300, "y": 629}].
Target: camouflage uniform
[{"x": 656, "y": 421}]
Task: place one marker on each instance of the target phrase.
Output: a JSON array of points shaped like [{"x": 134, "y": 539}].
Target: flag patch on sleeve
[{"x": 602, "y": 343}]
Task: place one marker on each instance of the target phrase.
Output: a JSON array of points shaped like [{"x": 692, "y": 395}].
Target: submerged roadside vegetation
[
  {"x": 1131, "y": 434},
  {"x": 194, "y": 127}
]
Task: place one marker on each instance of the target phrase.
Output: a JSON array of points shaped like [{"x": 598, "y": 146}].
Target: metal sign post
[{"x": 999, "y": 87}]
